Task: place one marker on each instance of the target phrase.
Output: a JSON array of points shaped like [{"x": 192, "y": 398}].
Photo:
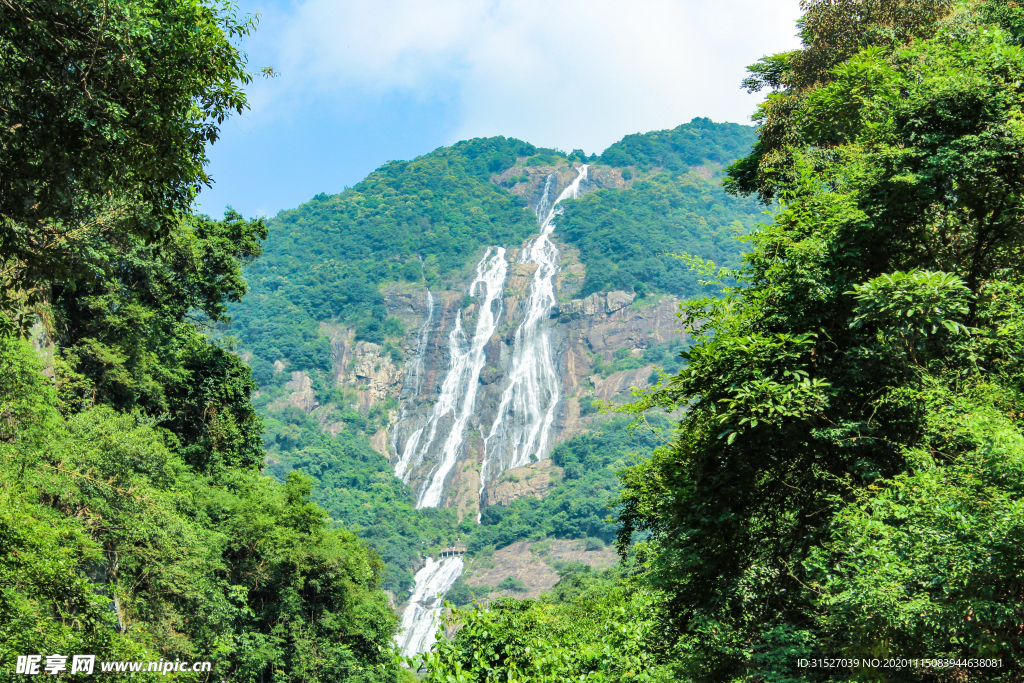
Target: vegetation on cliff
[
  {"x": 582, "y": 504},
  {"x": 427, "y": 221},
  {"x": 628, "y": 238}
]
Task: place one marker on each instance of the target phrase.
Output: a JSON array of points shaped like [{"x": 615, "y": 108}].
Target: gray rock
[{"x": 618, "y": 300}]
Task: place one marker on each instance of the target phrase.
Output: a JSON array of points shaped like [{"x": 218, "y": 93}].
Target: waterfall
[
  {"x": 525, "y": 413},
  {"x": 527, "y": 408},
  {"x": 410, "y": 390},
  {"x": 458, "y": 391},
  {"x": 421, "y": 617}
]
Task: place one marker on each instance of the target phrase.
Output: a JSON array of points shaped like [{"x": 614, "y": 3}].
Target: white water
[
  {"x": 459, "y": 389},
  {"x": 421, "y": 617},
  {"x": 411, "y": 389},
  {"x": 527, "y": 407}
]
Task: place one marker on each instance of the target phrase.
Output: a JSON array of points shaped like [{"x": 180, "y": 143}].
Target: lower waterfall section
[
  {"x": 422, "y": 615},
  {"x": 457, "y": 398}
]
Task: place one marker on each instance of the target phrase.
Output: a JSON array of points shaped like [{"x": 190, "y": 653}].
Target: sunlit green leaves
[
  {"x": 105, "y": 115},
  {"x": 913, "y": 304}
]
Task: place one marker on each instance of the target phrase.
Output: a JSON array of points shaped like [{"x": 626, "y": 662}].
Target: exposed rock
[
  {"x": 464, "y": 484},
  {"x": 531, "y": 481},
  {"x": 489, "y": 374},
  {"x": 619, "y": 383},
  {"x": 618, "y": 300},
  {"x": 606, "y": 177},
  {"x": 705, "y": 172},
  {"x": 571, "y": 273},
  {"x": 302, "y": 395},
  {"x": 600, "y": 333},
  {"x": 529, "y": 561},
  {"x": 379, "y": 441},
  {"x": 517, "y": 283},
  {"x": 373, "y": 372},
  {"x": 599, "y": 302}
]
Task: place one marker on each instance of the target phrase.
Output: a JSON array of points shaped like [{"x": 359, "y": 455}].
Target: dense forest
[
  {"x": 826, "y": 484},
  {"x": 135, "y": 523},
  {"x": 842, "y": 499}
]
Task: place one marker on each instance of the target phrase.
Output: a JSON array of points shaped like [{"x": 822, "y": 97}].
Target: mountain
[{"x": 457, "y": 319}]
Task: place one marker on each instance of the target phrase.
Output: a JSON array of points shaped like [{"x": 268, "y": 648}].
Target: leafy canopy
[
  {"x": 853, "y": 405},
  {"x": 105, "y": 115}
]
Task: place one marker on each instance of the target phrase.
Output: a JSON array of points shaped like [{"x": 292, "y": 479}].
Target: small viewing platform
[{"x": 451, "y": 551}]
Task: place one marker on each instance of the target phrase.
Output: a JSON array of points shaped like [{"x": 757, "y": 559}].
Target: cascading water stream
[
  {"x": 410, "y": 391},
  {"x": 527, "y": 408},
  {"x": 420, "y": 618},
  {"x": 525, "y": 413},
  {"x": 458, "y": 391}
]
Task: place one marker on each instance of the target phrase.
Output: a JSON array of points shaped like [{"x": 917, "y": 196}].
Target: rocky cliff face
[
  {"x": 585, "y": 332},
  {"x": 595, "y": 344}
]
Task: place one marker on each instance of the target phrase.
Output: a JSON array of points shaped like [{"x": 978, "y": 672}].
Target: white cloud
[{"x": 565, "y": 73}]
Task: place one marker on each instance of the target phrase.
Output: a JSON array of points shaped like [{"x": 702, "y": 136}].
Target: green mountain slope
[
  {"x": 408, "y": 220},
  {"x": 701, "y": 142},
  {"x": 627, "y": 237},
  {"x": 428, "y": 220}
]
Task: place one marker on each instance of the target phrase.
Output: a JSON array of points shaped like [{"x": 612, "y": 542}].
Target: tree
[
  {"x": 831, "y": 32},
  {"x": 872, "y": 318},
  {"x": 105, "y": 114},
  {"x": 133, "y": 338}
]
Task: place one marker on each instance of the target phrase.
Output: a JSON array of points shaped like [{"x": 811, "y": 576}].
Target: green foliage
[
  {"x": 579, "y": 506},
  {"x": 126, "y": 339},
  {"x": 627, "y": 237},
  {"x": 592, "y": 628},
  {"x": 462, "y": 594},
  {"x": 238, "y": 570},
  {"x": 357, "y": 487},
  {"x": 134, "y": 523},
  {"x": 914, "y": 305},
  {"x": 932, "y": 560},
  {"x": 701, "y": 142},
  {"x": 511, "y": 583},
  {"x": 847, "y": 467},
  {"x": 105, "y": 117}
]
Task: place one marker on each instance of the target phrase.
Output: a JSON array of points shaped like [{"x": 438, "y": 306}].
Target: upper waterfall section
[
  {"x": 350, "y": 314},
  {"x": 521, "y": 431},
  {"x": 429, "y": 443}
]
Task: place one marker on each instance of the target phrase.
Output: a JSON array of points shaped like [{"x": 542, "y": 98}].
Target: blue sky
[{"x": 362, "y": 83}]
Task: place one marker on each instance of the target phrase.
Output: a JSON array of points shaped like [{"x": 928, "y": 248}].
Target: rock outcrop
[
  {"x": 301, "y": 394},
  {"x": 531, "y": 562},
  {"x": 585, "y": 332},
  {"x": 532, "y": 481}
]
